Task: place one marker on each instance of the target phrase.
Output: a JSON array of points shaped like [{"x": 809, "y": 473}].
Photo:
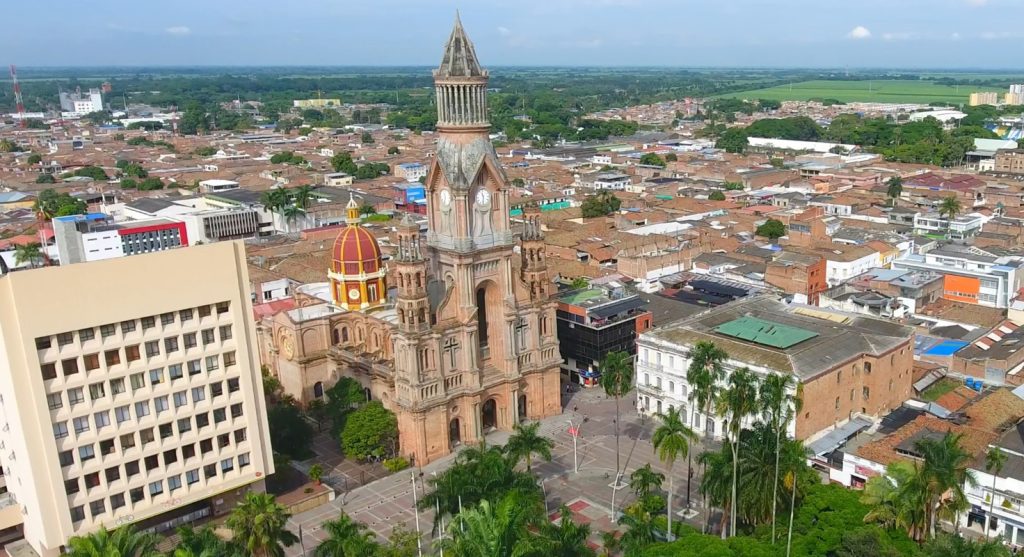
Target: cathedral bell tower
[{"x": 534, "y": 266}]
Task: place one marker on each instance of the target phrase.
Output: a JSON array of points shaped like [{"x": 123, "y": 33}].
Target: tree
[
  {"x": 194, "y": 120},
  {"x": 652, "y": 159},
  {"x": 367, "y": 137},
  {"x": 950, "y": 207},
  {"x": 995, "y": 459},
  {"x": 370, "y": 431},
  {"x": 527, "y": 441},
  {"x": 367, "y": 209},
  {"x": 259, "y": 526},
  {"x": 290, "y": 433},
  {"x": 52, "y": 204},
  {"x": 94, "y": 172},
  {"x": 394, "y": 150},
  {"x": 302, "y": 196},
  {"x": 897, "y": 499},
  {"x": 205, "y": 151},
  {"x": 671, "y": 440},
  {"x": 34, "y": 158},
  {"x": 671, "y": 157},
  {"x": 345, "y": 396},
  {"x": 316, "y": 473},
  {"x": 717, "y": 196},
  {"x": 129, "y": 184},
  {"x": 733, "y": 140},
  {"x": 567, "y": 538},
  {"x": 580, "y": 282},
  {"x": 8, "y": 146},
  {"x": 600, "y": 204},
  {"x": 644, "y": 480},
  {"x": 150, "y": 184},
  {"x": 947, "y": 545},
  {"x": 292, "y": 213},
  {"x": 347, "y": 538},
  {"x": 617, "y": 380},
  {"x": 945, "y": 470},
  {"x": 779, "y": 407},
  {"x": 122, "y": 542},
  {"x": 342, "y": 162},
  {"x": 736, "y": 403},
  {"x": 496, "y": 530},
  {"x": 45, "y": 179},
  {"x": 203, "y": 542},
  {"x": 28, "y": 253},
  {"x": 895, "y": 189},
  {"x": 771, "y": 229},
  {"x": 706, "y": 370}
]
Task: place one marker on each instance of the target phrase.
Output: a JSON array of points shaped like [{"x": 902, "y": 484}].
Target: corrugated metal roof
[{"x": 765, "y": 332}]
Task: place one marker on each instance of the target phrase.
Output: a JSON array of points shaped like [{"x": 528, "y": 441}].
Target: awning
[{"x": 835, "y": 438}]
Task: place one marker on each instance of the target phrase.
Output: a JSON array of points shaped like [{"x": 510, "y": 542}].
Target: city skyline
[{"x": 657, "y": 33}]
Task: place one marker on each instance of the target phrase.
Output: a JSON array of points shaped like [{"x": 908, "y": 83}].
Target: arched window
[
  {"x": 318, "y": 390},
  {"x": 344, "y": 334},
  {"x": 335, "y": 336}
]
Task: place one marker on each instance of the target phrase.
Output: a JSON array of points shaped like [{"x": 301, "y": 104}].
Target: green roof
[{"x": 765, "y": 332}]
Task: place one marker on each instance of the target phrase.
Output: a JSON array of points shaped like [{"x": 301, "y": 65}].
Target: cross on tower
[{"x": 450, "y": 347}]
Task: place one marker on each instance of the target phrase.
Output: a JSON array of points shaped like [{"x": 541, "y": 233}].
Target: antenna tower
[{"x": 17, "y": 97}]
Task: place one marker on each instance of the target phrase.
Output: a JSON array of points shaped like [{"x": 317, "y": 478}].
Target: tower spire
[
  {"x": 459, "y": 59},
  {"x": 461, "y": 84}
]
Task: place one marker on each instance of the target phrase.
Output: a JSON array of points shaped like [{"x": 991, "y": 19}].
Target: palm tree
[
  {"x": 640, "y": 530},
  {"x": 259, "y": 526},
  {"x": 950, "y": 207},
  {"x": 895, "y": 189},
  {"x": 945, "y": 470},
  {"x": 28, "y": 253},
  {"x": 501, "y": 530},
  {"x": 617, "y": 381},
  {"x": 995, "y": 459},
  {"x": 736, "y": 403},
  {"x": 671, "y": 440},
  {"x": 346, "y": 538},
  {"x": 567, "y": 539},
  {"x": 897, "y": 499},
  {"x": 777, "y": 405},
  {"x": 706, "y": 370},
  {"x": 644, "y": 480},
  {"x": 291, "y": 213},
  {"x": 275, "y": 200},
  {"x": 526, "y": 442},
  {"x": 203, "y": 542},
  {"x": 715, "y": 482},
  {"x": 302, "y": 195},
  {"x": 123, "y": 542}
]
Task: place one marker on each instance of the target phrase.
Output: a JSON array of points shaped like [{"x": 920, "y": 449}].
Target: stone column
[
  {"x": 515, "y": 406},
  {"x": 477, "y": 426}
]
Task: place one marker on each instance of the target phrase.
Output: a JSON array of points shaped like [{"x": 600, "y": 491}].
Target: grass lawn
[
  {"x": 939, "y": 388},
  {"x": 885, "y": 91}
]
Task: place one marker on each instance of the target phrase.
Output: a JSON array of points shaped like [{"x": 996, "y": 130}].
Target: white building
[
  {"x": 81, "y": 103},
  {"x": 961, "y": 227},
  {"x": 148, "y": 410},
  {"x": 970, "y": 274}
]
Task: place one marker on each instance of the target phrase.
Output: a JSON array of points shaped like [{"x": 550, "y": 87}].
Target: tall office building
[{"x": 131, "y": 394}]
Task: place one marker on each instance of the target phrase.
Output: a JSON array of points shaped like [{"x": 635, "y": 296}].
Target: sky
[{"x": 941, "y": 34}]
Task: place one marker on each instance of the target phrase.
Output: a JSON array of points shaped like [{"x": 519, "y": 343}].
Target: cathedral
[{"x": 465, "y": 340}]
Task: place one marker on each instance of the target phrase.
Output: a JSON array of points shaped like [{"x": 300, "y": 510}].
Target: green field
[{"x": 883, "y": 91}]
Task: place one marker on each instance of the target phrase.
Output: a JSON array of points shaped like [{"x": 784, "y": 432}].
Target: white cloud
[
  {"x": 504, "y": 31},
  {"x": 178, "y": 30},
  {"x": 859, "y": 32},
  {"x": 899, "y": 36}
]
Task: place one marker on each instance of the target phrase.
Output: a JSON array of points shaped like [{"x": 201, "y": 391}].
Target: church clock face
[
  {"x": 446, "y": 199},
  {"x": 353, "y": 294},
  {"x": 483, "y": 197},
  {"x": 287, "y": 348}
]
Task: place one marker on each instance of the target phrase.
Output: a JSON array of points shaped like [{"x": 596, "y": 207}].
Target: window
[
  {"x": 42, "y": 343},
  {"x": 190, "y": 340},
  {"x": 202, "y": 420},
  {"x": 170, "y": 457},
  {"x": 219, "y": 415},
  {"x": 174, "y": 482},
  {"x": 243, "y": 460},
  {"x": 180, "y": 399},
  {"x": 131, "y": 353},
  {"x": 216, "y": 389},
  {"x": 96, "y": 391},
  {"x": 239, "y": 435},
  {"x": 86, "y": 334},
  {"x": 76, "y": 396},
  {"x": 108, "y": 330},
  {"x": 185, "y": 315},
  {"x": 175, "y": 371},
  {"x": 127, "y": 441},
  {"x": 152, "y": 348},
  {"x": 207, "y": 336},
  {"x": 166, "y": 430},
  {"x": 113, "y": 357},
  {"x": 69, "y": 366},
  {"x": 116, "y": 501},
  {"x": 122, "y": 414},
  {"x": 198, "y": 394},
  {"x": 86, "y": 452},
  {"x": 194, "y": 367},
  {"x": 81, "y": 424},
  {"x": 156, "y": 488},
  {"x": 131, "y": 468},
  {"x": 135, "y": 494},
  {"x": 227, "y": 465},
  {"x": 184, "y": 424},
  {"x": 837, "y": 403},
  {"x": 171, "y": 344},
  {"x": 210, "y": 471},
  {"x": 138, "y": 381},
  {"x": 233, "y": 384},
  {"x": 67, "y": 458},
  {"x": 229, "y": 359},
  {"x": 236, "y": 410},
  {"x": 166, "y": 319},
  {"x": 867, "y": 367},
  {"x": 205, "y": 446},
  {"x": 152, "y": 462},
  {"x": 112, "y": 474},
  {"x": 72, "y": 486},
  {"x": 222, "y": 307},
  {"x": 97, "y": 508},
  {"x": 839, "y": 377},
  {"x": 223, "y": 440},
  {"x": 188, "y": 451},
  {"x": 148, "y": 323},
  {"x": 142, "y": 409},
  {"x": 192, "y": 476},
  {"x": 127, "y": 327},
  {"x": 117, "y": 386},
  {"x": 865, "y": 393},
  {"x": 225, "y": 332},
  {"x": 64, "y": 339},
  {"x": 60, "y": 430},
  {"x": 49, "y": 371},
  {"x": 77, "y": 513},
  {"x": 107, "y": 447},
  {"x": 102, "y": 419},
  {"x": 204, "y": 311},
  {"x": 161, "y": 403},
  {"x": 55, "y": 401},
  {"x": 212, "y": 363},
  {"x": 156, "y": 376},
  {"x": 672, "y": 387}
]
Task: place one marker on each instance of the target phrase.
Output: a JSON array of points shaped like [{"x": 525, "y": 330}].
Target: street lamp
[{"x": 574, "y": 431}]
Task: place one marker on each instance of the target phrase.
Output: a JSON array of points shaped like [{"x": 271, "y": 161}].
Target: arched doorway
[
  {"x": 366, "y": 393},
  {"x": 318, "y": 390},
  {"x": 454, "y": 433},
  {"x": 489, "y": 414},
  {"x": 522, "y": 407},
  {"x": 489, "y": 302}
]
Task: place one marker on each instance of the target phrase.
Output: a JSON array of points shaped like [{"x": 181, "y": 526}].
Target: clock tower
[{"x": 486, "y": 355}]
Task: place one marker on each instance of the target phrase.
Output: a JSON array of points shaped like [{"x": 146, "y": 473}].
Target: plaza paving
[{"x": 388, "y": 502}]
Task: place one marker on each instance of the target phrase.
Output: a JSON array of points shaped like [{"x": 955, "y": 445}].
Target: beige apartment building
[{"x": 130, "y": 393}]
